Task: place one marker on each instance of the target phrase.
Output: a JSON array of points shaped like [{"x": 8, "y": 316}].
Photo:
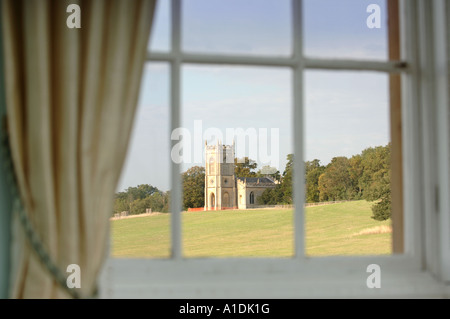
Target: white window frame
[{"x": 423, "y": 270}]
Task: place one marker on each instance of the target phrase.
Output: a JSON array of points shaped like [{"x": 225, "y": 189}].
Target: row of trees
[
  {"x": 363, "y": 176},
  {"x": 136, "y": 200}
]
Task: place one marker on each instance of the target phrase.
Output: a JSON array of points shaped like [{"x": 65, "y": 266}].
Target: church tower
[{"x": 220, "y": 181}]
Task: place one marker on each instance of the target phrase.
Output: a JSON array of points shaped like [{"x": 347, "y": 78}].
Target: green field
[{"x": 336, "y": 229}]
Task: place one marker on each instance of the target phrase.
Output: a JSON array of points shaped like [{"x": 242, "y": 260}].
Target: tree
[
  {"x": 139, "y": 206},
  {"x": 334, "y": 184},
  {"x": 136, "y": 200},
  {"x": 269, "y": 171},
  {"x": 270, "y": 196},
  {"x": 245, "y": 167},
  {"x": 156, "y": 202},
  {"x": 194, "y": 187},
  {"x": 382, "y": 209},
  {"x": 286, "y": 182},
  {"x": 355, "y": 171},
  {"x": 375, "y": 180},
  {"x": 313, "y": 170},
  {"x": 282, "y": 192},
  {"x": 121, "y": 203},
  {"x": 146, "y": 190}
]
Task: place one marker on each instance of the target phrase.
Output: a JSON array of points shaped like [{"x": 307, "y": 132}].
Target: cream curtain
[{"x": 71, "y": 96}]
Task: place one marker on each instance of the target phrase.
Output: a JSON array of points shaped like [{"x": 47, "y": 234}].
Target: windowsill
[{"x": 319, "y": 277}]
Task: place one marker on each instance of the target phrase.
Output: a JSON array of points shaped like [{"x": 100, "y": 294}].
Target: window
[
  {"x": 252, "y": 198},
  {"x": 213, "y": 200},
  {"x": 226, "y": 200},
  {"x": 425, "y": 192},
  {"x": 212, "y": 167}
]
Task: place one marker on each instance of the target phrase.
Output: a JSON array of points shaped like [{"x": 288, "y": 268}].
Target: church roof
[{"x": 257, "y": 181}]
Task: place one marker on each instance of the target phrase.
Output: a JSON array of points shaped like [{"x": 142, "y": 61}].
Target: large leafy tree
[
  {"x": 313, "y": 170},
  {"x": 376, "y": 181},
  {"x": 194, "y": 187},
  {"x": 355, "y": 171},
  {"x": 282, "y": 193},
  {"x": 334, "y": 183},
  {"x": 271, "y": 196},
  {"x": 245, "y": 167}
]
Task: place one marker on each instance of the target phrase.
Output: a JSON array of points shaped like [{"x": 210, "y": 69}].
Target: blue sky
[{"x": 345, "y": 112}]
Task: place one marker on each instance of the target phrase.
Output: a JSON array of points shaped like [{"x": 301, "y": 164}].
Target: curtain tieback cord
[{"x": 32, "y": 236}]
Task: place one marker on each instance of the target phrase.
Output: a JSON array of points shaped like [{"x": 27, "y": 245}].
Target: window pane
[
  {"x": 347, "y": 161},
  {"x": 160, "y": 34},
  {"x": 235, "y": 213},
  {"x": 344, "y": 29},
  {"x": 237, "y": 26},
  {"x": 142, "y": 192}
]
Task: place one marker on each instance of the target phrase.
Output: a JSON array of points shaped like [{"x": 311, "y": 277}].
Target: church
[{"x": 225, "y": 190}]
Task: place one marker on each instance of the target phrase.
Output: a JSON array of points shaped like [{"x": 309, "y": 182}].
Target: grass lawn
[
  {"x": 346, "y": 229},
  {"x": 336, "y": 229}
]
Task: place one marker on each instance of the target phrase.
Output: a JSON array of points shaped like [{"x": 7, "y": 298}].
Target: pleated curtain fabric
[{"x": 71, "y": 95}]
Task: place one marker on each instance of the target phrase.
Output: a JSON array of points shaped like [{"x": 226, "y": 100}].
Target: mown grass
[{"x": 337, "y": 229}]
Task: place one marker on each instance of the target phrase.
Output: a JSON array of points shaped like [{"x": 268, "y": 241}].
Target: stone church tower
[{"x": 220, "y": 181}]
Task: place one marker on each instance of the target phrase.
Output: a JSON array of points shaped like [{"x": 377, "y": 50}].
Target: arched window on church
[
  {"x": 212, "y": 201},
  {"x": 226, "y": 200},
  {"x": 212, "y": 170},
  {"x": 252, "y": 198}
]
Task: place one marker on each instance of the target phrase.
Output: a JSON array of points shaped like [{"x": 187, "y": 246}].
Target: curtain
[{"x": 71, "y": 95}]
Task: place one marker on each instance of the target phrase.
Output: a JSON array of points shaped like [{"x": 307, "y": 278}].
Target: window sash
[{"x": 297, "y": 63}]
